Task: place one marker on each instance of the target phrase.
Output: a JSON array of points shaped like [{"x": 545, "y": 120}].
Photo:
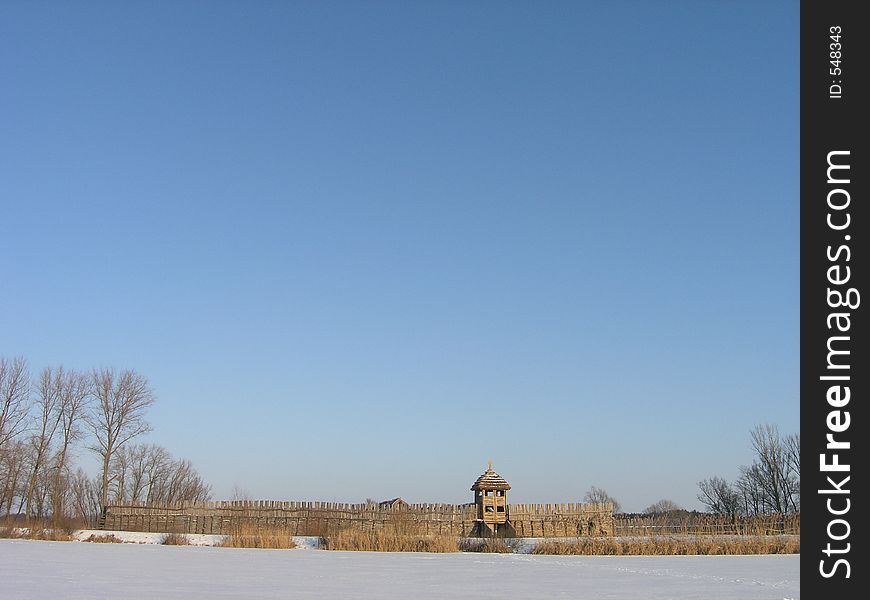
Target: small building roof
[
  {"x": 490, "y": 480},
  {"x": 393, "y": 503}
]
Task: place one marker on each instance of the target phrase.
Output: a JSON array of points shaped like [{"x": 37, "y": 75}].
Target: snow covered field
[{"x": 78, "y": 571}]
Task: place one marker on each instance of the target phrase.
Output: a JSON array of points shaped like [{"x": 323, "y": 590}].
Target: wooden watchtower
[{"x": 490, "y": 499}]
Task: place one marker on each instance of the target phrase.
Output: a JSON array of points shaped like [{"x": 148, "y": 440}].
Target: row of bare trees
[
  {"x": 771, "y": 484},
  {"x": 146, "y": 473},
  {"x": 44, "y": 420}
]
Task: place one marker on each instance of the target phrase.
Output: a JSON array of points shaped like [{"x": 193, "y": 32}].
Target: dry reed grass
[
  {"x": 52, "y": 535},
  {"x": 103, "y": 539},
  {"x": 248, "y": 535},
  {"x": 487, "y": 545},
  {"x": 388, "y": 540},
  {"x": 175, "y": 539},
  {"x": 672, "y": 546},
  {"x": 35, "y": 533},
  {"x": 66, "y": 524}
]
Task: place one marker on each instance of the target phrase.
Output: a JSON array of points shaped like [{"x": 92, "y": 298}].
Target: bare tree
[
  {"x": 14, "y": 398},
  {"x": 661, "y": 507},
  {"x": 75, "y": 391},
  {"x": 121, "y": 400},
  {"x": 12, "y": 474},
  {"x": 771, "y": 484},
  {"x": 793, "y": 462},
  {"x": 185, "y": 484},
  {"x": 119, "y": 470},
  {"x": 85, "y": 494},
  {"x": 601, "y": 496},
  {"x": 752, "y": 497},
  {"x": 156, "y": 463},
  {"x": 146, "y": 463},
  {"x": 41, "y": 493},
  {"x": 48, "y": 418},
  {"x": 772, "y": 473},
  {"x": 719, "y": 496},
  {"x": 60, "y": 499},
  {"x": 149, "y": 472},
  {"x": 141, "y": 470}
]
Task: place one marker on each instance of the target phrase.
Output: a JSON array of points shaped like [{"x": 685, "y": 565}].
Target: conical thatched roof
[{"x": 490, "y": 480}]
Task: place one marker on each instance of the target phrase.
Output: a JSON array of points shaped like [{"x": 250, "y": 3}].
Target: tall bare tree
[
  {"x": 793, "y": 461},
  {"x": 772, "y": 470},
  {"x": 771, "y": 484},
  {"x": 155, "y": 461},
  {"x": 15, "y": 398},
  {"x": 85, "y": 497},
  {"x": 149, "y": 468},
  {"x": 753, "y": 499},
  {"x": 118, "y": 472},
  {"x": 48, "y": 418},
  {"x": 121, "y": 400},
  {"x": 13, "y": 473},
  {"x": 137, "y": 481},
  {"x": 75, "y": 391}
]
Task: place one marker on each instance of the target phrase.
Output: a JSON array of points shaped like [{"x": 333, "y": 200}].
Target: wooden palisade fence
[{"x": 322, "y": 518}]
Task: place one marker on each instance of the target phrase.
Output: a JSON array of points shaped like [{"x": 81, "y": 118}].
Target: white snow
[{"x": 78, "y": 571}]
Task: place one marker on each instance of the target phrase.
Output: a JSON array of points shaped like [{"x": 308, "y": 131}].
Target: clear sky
[{"x": 359, "y": 248}]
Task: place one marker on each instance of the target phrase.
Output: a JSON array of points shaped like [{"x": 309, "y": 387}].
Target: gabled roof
[{"x": 393, "y": 503}]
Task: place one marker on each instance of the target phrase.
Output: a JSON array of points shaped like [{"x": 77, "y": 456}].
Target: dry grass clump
[
  {"x": 495, "y": 546},
  {"x": 671, "y": 546},
  {"x": 67, "y": 525},
  {"x": 386, "y": 540},
  {"x": 250, "y": 536},
  {"x": 51, "y": 535},
  {"x": 103, "y": 539},
  {"x": 175, "y": 539},
  {"x": 583, "y": 547}
]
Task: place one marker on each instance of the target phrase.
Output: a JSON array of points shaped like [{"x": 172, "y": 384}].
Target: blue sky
[{"x": 360, "y": 248}]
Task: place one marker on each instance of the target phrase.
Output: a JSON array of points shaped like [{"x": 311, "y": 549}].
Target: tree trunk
[
  {"x": 104, "y": 493},
  {"x": 56, "y": 496}
]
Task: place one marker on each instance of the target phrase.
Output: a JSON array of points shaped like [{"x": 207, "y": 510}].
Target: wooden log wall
[
  {"x": 695, "y": 523},
  {"x": 562, "y": 520},
  {"x": 322, "y": 518}
]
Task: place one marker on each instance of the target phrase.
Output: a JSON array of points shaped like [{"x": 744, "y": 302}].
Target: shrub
[
  {"x": 490, "y": 545},
  {"x": 103, "y": 539},
  {"x": 175, "y": 539}
]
